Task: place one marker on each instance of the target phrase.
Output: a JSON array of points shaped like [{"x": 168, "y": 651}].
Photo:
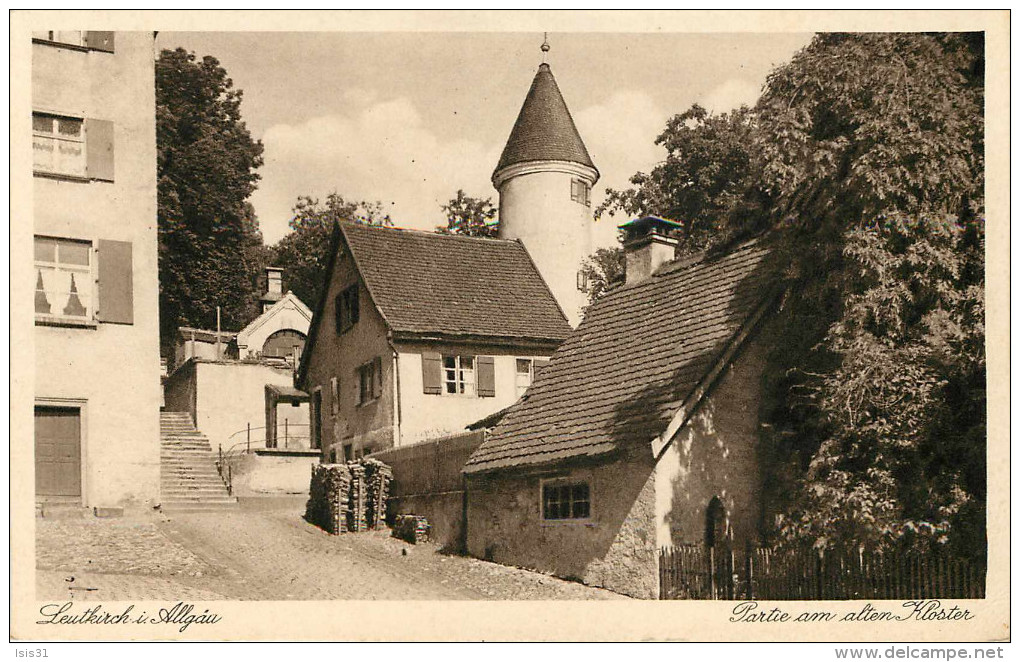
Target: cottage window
[
  {"x": 580, "y": 192},
  {"x": 525, "y": 374},
  {"x": 459, "y": 375},
  {"x": 347, "y": 309},
  {"x": 63, "y": 281},
  {"x": 369, "y": 381},
  {"x": 566, "y": 501}
]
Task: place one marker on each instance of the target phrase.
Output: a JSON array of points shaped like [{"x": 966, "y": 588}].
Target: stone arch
[{"x": 281, "y": 343}]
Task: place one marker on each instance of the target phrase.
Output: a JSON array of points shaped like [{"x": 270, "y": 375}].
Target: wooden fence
[{"x": 694, "y": 572}]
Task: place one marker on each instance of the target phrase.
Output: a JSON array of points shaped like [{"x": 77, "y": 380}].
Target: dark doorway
[
  {"x": 57, "y": 452},
  {"x": 715, "y": 522}
]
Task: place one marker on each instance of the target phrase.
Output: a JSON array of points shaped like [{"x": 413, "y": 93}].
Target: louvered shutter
[
  {"x": 116, "y": 291},
  {"x": 99, "y": 149},
  {"x": 432, "y": 373},
  {"x": 377, "y": 377},
  {"x": 486, "y": 376},
  {"x": 99, "y": 41}
]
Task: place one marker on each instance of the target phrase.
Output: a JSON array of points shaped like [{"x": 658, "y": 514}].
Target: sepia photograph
[{"x": 505, "y": 313}]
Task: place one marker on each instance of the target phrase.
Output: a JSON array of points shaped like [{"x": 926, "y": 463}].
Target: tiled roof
[
  {"x": 544, "y": 130},
  {"x": 639, "y": 353},
  {"x": 425, "y": 283}
]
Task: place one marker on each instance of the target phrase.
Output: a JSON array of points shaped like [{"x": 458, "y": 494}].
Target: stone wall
[
  {"x": 269, "y": 473},
  {"x": 614, "y": 549},
  {"x": 716, "y": 455}
]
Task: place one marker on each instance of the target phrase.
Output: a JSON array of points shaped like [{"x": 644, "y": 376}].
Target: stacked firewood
[
  {"x": 328, "y": 497},
  {"x": 377, "y": 482},
  {"x": 412, "y": 528},
  {"x": 356, "y": 522}
]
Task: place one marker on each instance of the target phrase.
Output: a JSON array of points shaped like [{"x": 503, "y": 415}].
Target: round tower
[{"x": 544, "y": 179}]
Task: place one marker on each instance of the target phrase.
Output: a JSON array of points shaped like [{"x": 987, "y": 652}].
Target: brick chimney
[
  {"x": 648, "y": 243},
  {"x": 274, "y": 287}
]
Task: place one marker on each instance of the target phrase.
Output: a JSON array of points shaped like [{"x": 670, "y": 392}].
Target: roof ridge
[{"x": 427, "y": 233}]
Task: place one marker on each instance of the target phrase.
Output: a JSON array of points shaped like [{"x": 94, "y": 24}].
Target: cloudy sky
[{"x": 407, "y": 118}]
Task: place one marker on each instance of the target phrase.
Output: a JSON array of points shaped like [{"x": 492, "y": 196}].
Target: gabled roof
[
  {"x": 544, "y": 130},
  {"x": 288, "y": 300},
  {"x": 429, "y": 283},
  {"x": 642, "y": 354}
]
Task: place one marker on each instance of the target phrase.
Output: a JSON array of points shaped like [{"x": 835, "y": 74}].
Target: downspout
[{"x": 396, "y": 389}]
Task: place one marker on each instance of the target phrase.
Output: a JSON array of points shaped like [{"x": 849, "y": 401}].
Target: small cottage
[
  {"x": 642, "y": 431},
  {"x": 418, "y": 334}
]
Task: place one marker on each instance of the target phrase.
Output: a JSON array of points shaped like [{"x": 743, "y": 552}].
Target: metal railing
[{"x": 225, "y": 459}]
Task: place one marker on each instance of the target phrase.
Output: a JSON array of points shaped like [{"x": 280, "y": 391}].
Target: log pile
[
  {"x": 377, "y": 483},
  {"x": 328, "y": 500},
  {"x": 356, "y": 522},
  {"x": 348, "y": 497},
  {"x": 412, "y": 528}
]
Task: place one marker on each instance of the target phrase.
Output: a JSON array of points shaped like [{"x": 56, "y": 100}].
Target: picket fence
[{"x": 697, "y": 572}]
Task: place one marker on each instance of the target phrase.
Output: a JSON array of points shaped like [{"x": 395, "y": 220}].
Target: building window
[
  {"x": 582, "y": 281},
  {"x": 63, "y": 281},
  {"x": 346, "y": 309},
  {"x": 58, "y": 145},
  {"x": 459, "y": 375},
  {"x": 566, "y": 501},
  {"x": 580, "y": 192},
  {"x": 369, "y": 381},
  {"x": 525, "y": 373},
  {"x": 69, "y": 37}
]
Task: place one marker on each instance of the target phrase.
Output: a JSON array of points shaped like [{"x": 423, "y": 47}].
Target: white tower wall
[{"x": 535, "y": 207}]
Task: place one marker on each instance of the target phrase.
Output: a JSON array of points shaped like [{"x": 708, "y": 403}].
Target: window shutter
[
  {"x": 377, "y": 377},
  {"x": 116, "y": 292},
  {"x": 338, "y": 305},
  {"x": 357, "y": 386},
  {"x": 354, "y": 305},
  {"x": 486, "y": 367},
  {"x": 99, "y": 149},
  {"x": 432, "y": 373},
  {"x": 334, "y": 392},
  {"x": 99, "y": 41}
]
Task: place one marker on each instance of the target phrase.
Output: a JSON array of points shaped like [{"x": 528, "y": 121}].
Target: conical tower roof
[{"x": 544, "y": 130}]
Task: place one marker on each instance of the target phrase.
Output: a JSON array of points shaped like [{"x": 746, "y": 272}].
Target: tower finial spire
[{"x": 545, "y": 46}]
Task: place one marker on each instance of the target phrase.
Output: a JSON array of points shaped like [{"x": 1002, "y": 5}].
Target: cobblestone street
[{"x": 264, "y": 555}]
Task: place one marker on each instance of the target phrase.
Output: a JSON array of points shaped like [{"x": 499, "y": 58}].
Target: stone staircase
[{"x": 188, "y": 477}]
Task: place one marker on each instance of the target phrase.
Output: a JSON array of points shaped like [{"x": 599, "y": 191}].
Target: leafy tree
[
  {"x": 601, "y": 269},
  {"x": 473, "y": 217},
  {"x": 206, "y": 162},
  {"x": 709, "y": 181},
  {"x": 303, "y": 254},
  {"x": 871, "y": 148}
]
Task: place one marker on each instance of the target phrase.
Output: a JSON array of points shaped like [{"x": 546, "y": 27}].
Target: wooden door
[{"x": 57, "y": 452}]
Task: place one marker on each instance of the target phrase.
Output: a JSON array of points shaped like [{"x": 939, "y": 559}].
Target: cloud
[
  {"x": 620, "y": 135},
  {"x": 729, "y": 95},
  {"x": 375, "y": 150}
]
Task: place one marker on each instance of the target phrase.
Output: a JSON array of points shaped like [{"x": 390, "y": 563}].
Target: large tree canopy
[
  {"x": 862, "y": 162},
  {"x": 303, "y": 253},
  {"x": 206, "y": 166}
]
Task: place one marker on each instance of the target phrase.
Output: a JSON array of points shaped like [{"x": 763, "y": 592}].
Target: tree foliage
[
  {"x": 709, "y": 180},
  {"x": 600, "y": 270},
  {"x": 303, "y": 253},
  {"x": 871, "y": 147},
  {"x": 206, "y": 165},
  {"x": 473, "y": 217},
  {"x": 862, "y": 163}
]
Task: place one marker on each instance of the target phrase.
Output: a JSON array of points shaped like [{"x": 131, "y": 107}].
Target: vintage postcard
[{"x": 515, "y": 326}]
